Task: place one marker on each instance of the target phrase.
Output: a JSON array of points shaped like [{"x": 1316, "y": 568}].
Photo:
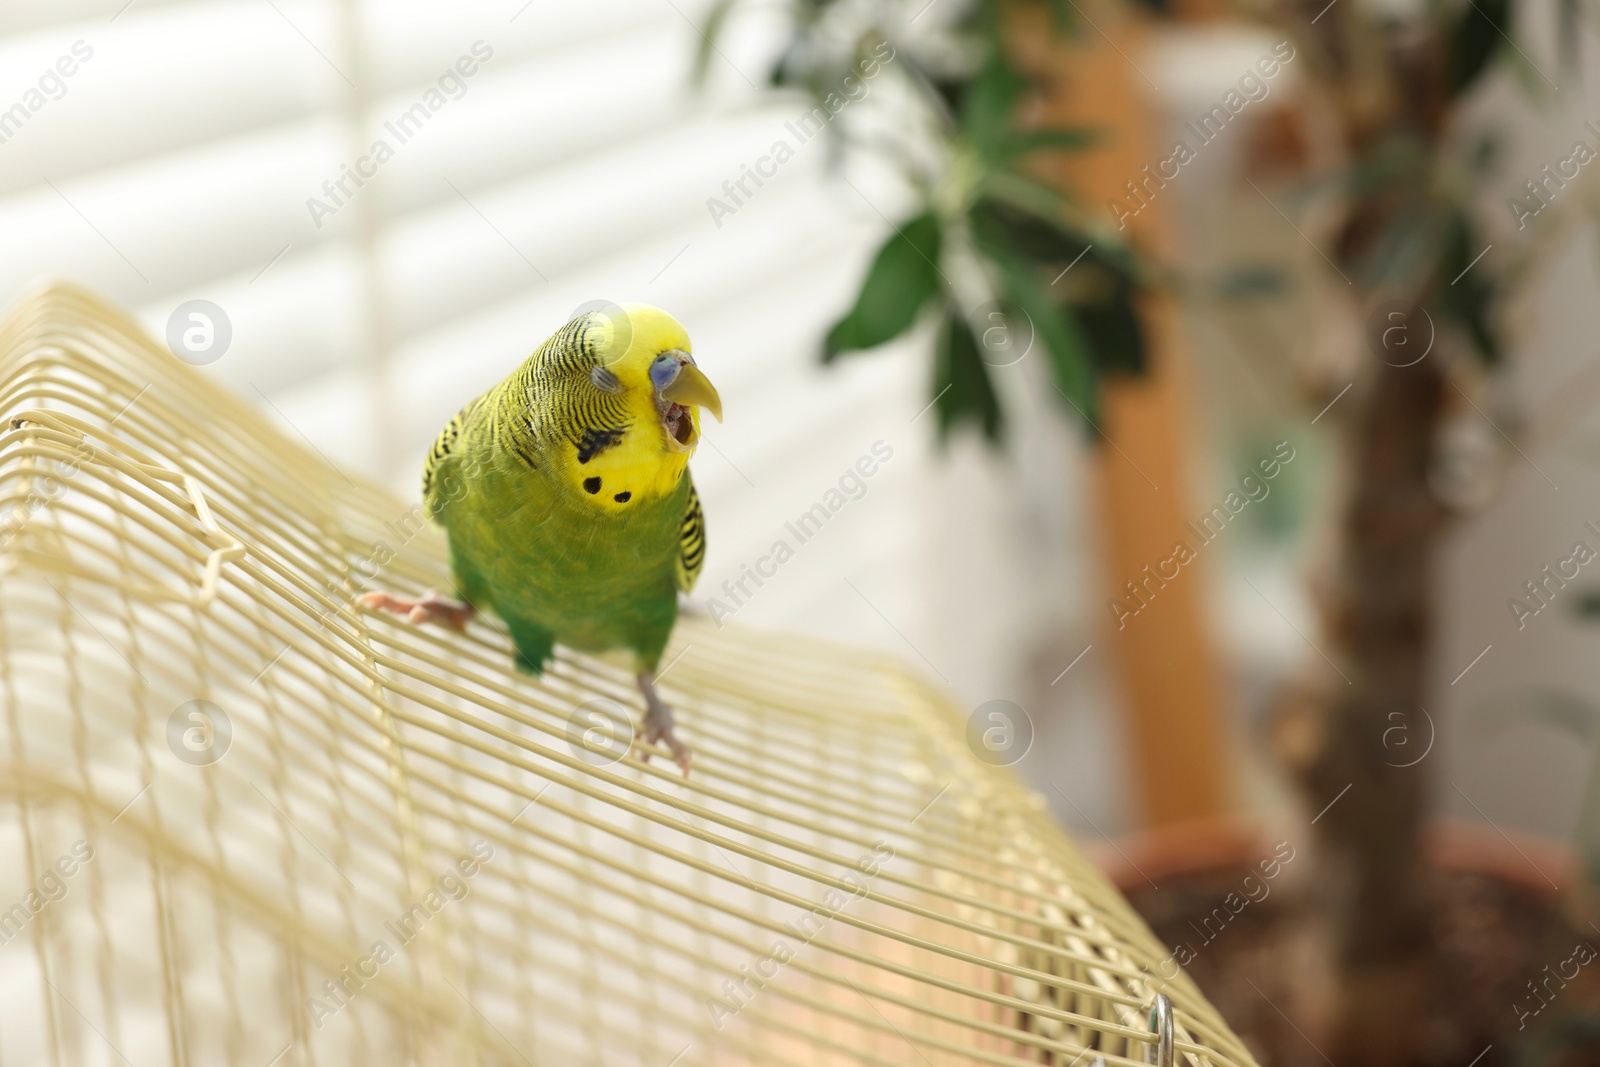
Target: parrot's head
[{"x": 644, "y": 419}]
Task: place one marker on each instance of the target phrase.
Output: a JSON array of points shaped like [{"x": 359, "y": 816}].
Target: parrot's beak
[{"x": 691, "y": 387}]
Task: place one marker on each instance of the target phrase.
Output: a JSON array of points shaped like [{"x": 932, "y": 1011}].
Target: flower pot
[{"x": 1511, "y": 973}]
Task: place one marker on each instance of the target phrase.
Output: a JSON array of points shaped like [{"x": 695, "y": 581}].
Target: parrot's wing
[
  {"x": 691, "y": 542},
  {"x": 443, "y": 445}
]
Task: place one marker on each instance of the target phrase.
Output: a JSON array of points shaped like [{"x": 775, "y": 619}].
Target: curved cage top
[{"x": 242, "y": 821}]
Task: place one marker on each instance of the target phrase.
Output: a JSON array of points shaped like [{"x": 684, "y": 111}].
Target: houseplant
[{"x": 1402, "y": 230}]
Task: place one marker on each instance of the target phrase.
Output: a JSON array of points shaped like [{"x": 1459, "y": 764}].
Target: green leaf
[
  {"x": 962, "y": 391},
  {"x": 951, "y": 92},
  {"x": 1074, "y": 138},
  {"x": 1114, "y": 329},
  {"x": 1477, "y": 32},
  {"x": 1053, "y": 324},
  {"x": 986, "y": 111},
  {"x": 902, "y": 278},
  {"x": 1466, "y": 289},
  {"x": 1401, "y": 161},
  {"x": 1094, "y": 286},
  {"x": 707, "y": 44},
  {"x": 1027, "y": 195},
  {"x": 1045, "y": 239},
  {"x": 1066, "y": 18}
]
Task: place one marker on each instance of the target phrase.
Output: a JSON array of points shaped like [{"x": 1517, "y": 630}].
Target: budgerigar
[{"x": 566, "y": 496}]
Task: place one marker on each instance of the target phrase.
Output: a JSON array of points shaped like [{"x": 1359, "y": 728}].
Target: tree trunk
[{"x": 1351, "y": 733}]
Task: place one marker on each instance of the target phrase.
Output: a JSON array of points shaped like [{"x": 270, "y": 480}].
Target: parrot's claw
[
  {"x": 430, "y": 607},
  {"x": 658, "y": 730},
  {"x": 658, "y": 724}
]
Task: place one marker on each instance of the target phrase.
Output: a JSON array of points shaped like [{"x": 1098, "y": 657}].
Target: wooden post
[{"x": 1165, "y": 664}]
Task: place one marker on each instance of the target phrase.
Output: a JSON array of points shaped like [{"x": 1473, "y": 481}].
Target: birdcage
[{"x": 243, "y": 821}]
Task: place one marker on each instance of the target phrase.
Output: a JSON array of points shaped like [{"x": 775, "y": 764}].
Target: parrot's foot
[
  {"x": 430, "y": 607},
  {"x": 658, "y": 723}
]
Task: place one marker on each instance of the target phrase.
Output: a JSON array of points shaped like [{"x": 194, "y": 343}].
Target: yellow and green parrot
[{"x": 566, "y": 497}]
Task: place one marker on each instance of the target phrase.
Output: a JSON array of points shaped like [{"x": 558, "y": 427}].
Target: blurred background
[{"x": 1402, "y": 156}]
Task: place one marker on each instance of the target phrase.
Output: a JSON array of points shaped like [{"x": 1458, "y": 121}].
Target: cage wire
[{"x": 244, "y": 822}]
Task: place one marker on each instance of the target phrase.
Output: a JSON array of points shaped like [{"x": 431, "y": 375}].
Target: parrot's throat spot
[{"x": 591, "y": 485}]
